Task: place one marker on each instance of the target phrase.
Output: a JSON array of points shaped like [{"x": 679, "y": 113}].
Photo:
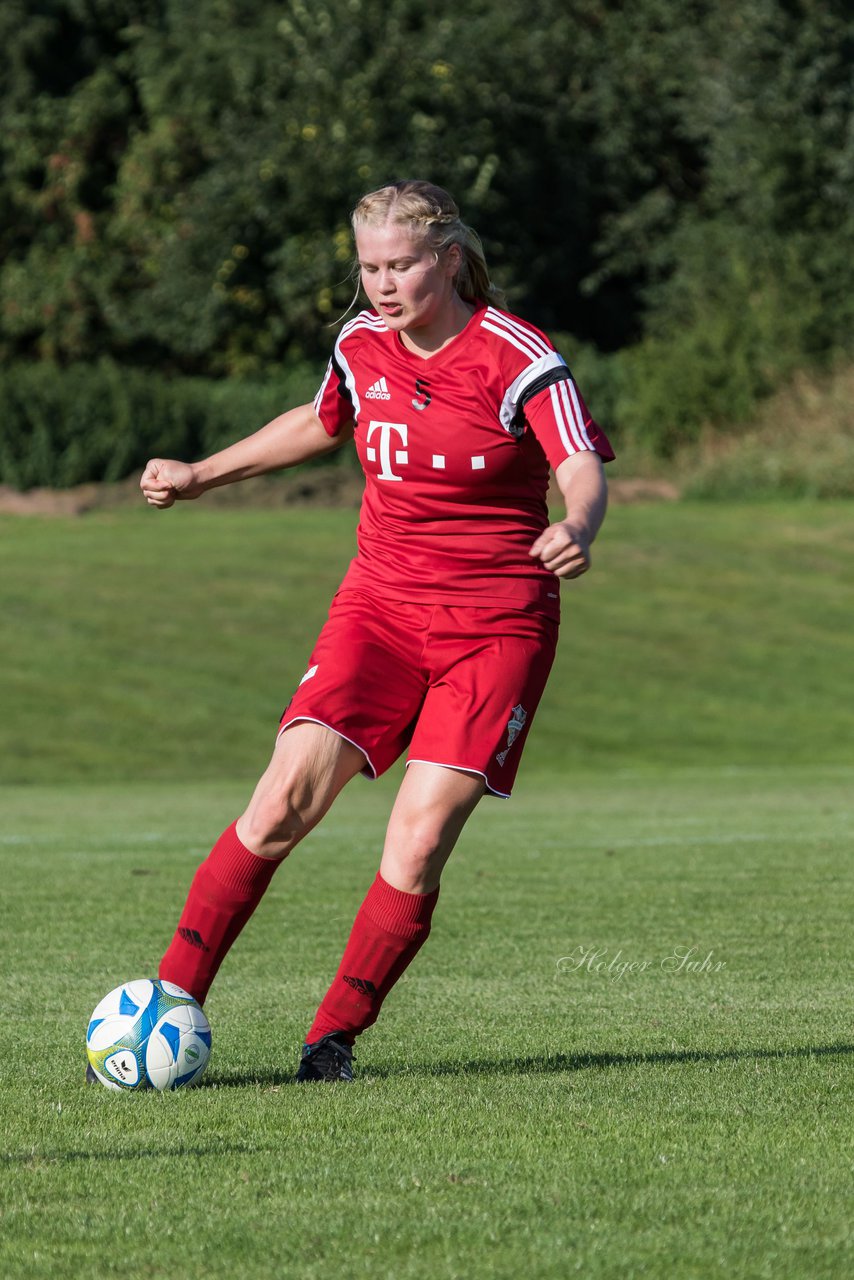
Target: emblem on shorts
[
  {"x": 515, "y": 725},
  {"x": 422, "y": 391}
]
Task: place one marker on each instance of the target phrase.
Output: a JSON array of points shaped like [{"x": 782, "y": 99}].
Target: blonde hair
[{"x": 429, "y": 212}]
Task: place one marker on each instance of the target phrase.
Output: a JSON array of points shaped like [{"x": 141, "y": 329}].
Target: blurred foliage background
[{"x": 666, "y": 186}]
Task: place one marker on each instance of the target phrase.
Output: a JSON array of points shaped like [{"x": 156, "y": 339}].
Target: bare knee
[
  {"x": 430, "y": 812},
  {"x": 425, "y": 837},
  {"x": 274, "y": 822},
  {"x": 309, "y": 767},
  {"x": 416, "y": 851},
  {"x": 286, "y": 804}
]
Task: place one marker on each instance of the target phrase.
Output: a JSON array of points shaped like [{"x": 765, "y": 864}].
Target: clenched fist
[
  {"x": 165, "y": 481},
  {"x": 563, "y": 549}
]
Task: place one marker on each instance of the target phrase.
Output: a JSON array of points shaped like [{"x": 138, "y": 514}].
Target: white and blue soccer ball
[{"x": 148, "y": 1034}]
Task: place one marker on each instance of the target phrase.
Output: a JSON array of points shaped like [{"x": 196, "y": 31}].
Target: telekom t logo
[{"x": 401, "y": 457}]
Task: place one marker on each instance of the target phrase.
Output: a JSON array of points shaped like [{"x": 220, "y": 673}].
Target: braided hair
[{"x": 429, "y": 212}]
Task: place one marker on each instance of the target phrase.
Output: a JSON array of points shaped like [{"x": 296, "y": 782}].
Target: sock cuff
[
  {"x": 238, "y": 868},
  {"x": 406, "y": 915}
]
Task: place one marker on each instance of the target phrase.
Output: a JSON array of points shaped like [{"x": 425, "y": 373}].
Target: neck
[{"x": 427, "y": 339}]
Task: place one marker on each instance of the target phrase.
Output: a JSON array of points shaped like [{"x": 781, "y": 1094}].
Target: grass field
[{"x": 527, "y": 1105}]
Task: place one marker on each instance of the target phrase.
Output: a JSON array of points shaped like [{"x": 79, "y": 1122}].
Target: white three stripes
[
  {"x": 568, "y": 416},
  {"x": 564, "y": 397}
]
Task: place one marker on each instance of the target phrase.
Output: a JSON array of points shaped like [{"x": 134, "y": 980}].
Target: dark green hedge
[{"x": 61, "y": 427}]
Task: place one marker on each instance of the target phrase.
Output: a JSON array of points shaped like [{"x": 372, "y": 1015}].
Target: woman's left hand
[{"x": 563, "y": 550}]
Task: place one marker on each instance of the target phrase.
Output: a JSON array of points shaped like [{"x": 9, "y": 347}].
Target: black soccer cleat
[
  {"x": 329, "y": 1058},
  {"x": 91, "y": 1078}
]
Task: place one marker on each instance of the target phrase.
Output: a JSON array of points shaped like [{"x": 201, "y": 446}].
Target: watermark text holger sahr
[{"x": 600, "y": 960}]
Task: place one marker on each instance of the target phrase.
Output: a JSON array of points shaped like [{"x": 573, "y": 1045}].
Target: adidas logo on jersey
[{"x": 379, "y": 391}]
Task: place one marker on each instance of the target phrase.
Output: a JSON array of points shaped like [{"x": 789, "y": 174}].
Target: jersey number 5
[{"x": 422, "y": 391}]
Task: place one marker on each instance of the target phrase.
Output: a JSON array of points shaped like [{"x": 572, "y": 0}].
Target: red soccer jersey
[{"x": 456, "y": 451}]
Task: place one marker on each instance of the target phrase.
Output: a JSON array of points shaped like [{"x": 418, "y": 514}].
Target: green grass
[
  {"x": 144, "y": 644},
  {"x": 513, "y": 1115},
  {"x": 516, "y": 1113}
]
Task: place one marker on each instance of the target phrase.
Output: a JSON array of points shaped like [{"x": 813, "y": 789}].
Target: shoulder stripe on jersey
[
  {"x": 518, "y": 391},
  {"x": 354, "y": 326},
  {"x": 346, "y": 376},
  {"x": 526, "y": 348},
  {"x": 569, "y": 418},
  {"x": 340, "y": 366},
  {"x": 363, "y": 318},
  {"x": 318, "y": 399},
  {"x": 522, "y": 330},
  {"x": 364, "y": 321},
  {"x": 569, "y": 443},
  {"x": 570, "y": 389},
  {"x": 532, "y": 387}
]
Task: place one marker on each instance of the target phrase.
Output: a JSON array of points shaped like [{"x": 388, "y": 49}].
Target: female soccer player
[{"x": 441, "y": 636}]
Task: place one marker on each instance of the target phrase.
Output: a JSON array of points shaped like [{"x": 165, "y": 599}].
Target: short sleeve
[
  {"x": 333, "y": 403},
  {"x": 561, "y": 421},
  {"x": 540, "y": 392}
]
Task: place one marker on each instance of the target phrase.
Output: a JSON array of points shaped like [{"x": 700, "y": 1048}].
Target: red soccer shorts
[{"x": 456, "y": 684}]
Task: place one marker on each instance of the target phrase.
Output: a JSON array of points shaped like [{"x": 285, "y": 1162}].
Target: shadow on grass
[
  {"x": 36, "y": 1159},
  {"x": 542, "y": 1064}
]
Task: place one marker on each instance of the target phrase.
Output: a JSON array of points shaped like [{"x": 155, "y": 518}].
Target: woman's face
[{"x": 402, "y": 278}]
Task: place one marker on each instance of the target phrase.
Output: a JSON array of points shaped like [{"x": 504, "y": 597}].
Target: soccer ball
[{"x": 148, "y": 1033}]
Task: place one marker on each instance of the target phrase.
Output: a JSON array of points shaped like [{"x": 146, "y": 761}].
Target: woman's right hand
[{"x": 166, "y": 480}]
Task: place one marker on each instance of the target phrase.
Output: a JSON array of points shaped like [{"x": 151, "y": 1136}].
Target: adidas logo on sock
[
  {"x": 362, "y": 985},
  {"x": 379, "y": 391},
  {"x": 194, "y": 938}
]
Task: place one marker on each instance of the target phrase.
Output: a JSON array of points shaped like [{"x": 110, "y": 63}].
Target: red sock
[
  {"x": 389, "y": 930},
  {"x": 225, "y": 891}
]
